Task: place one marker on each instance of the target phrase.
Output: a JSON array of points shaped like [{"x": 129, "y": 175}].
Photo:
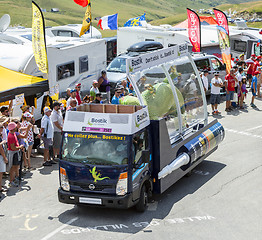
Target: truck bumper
[{"x": 96, "y": 200}]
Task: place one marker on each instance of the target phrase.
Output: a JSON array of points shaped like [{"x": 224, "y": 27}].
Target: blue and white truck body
[{"x": 118, "y": 155}]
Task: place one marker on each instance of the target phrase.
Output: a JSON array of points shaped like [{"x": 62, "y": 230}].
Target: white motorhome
[
  {"x": 166, "y": 35},
  {"x": 70, "y": 61}
]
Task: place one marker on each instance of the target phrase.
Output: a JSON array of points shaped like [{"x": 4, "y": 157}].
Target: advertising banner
[
  {"x": 221, "y": 19},
  {"x": 155, "y": 58},
  {"x": 38, "y": 38},
  {"x": 194, "y": 30},
  {"x": 224, "y": 44},
  {"x": 223, "y": 37}
]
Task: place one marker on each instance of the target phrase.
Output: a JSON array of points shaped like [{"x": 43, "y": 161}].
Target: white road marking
[
  {"x": 243, "y": 133},
  {"x": 254, "y": 128},
  {"x": 48, "y": 236}
]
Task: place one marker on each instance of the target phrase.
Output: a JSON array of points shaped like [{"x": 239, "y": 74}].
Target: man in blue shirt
[
  {"x": 254, "y": 88},
  {"x": 115, "y": 99}
]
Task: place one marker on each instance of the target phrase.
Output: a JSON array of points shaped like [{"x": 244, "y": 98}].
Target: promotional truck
[{"x": 117, "y": 156}]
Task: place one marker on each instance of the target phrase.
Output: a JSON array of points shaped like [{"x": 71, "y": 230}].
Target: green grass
[{"x": 157, "y": 12}]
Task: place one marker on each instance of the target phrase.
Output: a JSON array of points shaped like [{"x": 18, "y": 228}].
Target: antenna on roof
[{"x": 4, "y": 22}]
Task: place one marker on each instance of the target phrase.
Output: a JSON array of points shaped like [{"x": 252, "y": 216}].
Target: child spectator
[
  {"x": 216, "y": 84},
  {"x": 98, "y": 98},
  {"x": 30, "y": 137},
  {"x": 243, "y": 91},
  {"x": 131, "y": 90},
  {"x": 13, "y": 153}
]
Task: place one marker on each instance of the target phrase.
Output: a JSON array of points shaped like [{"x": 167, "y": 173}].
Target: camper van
[
  {"x": 244, "y": 40},
  {"x": 70, "y": 61}
]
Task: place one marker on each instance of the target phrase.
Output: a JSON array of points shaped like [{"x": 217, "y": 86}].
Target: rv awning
[{"x": 13, "y": 83}]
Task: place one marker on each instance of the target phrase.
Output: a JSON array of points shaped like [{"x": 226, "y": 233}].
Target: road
[{"x": 220, "y": 200}]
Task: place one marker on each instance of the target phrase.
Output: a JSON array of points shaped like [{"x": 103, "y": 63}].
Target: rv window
[
  {"x": 64, "y": 33},
  {"x": 66, "y": 70},
  {"x": 239, "y": 46},
  {"x": 203, "y": 64},
  {"x": 83, "y": 64}
]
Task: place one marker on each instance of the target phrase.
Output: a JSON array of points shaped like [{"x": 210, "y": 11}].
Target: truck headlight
[
  {"x": 121, "y": 187},
  {"x": 64, "y": 180}
]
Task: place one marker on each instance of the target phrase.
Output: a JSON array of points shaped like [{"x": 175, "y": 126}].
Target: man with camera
[{"x": 47, "y": 134}]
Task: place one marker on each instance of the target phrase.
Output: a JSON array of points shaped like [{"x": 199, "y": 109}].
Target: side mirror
[{"x": 145, "y": 156}]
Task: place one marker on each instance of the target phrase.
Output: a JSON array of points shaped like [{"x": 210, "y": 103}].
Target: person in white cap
[
  {"x": 47, "y": 134},
  {"x": 94, "y": 90},
  {"x": 27, "y": 119}
]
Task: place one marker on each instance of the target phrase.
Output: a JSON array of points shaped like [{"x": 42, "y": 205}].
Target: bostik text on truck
[{"x": 117, "y": 156}]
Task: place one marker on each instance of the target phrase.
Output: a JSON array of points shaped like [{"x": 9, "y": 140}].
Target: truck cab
[{"x": 119, "y": 155}]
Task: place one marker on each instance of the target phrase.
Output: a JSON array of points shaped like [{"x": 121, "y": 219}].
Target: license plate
[{"x": 90, "y": 200}]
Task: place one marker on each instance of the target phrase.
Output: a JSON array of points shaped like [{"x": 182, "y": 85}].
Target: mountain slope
[{"x": 160, "y": 11}]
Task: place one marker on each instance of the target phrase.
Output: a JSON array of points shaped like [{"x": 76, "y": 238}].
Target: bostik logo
[
  {"x": 93, "y": 121},
  {"x": 140, "y": 118}
]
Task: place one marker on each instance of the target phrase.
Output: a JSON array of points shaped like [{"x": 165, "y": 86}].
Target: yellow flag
[
  {"x": 38, "y": 38},
  {"x": 87, "y": 20}
]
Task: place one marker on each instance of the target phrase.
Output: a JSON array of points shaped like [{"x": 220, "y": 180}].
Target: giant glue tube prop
[
  {"x": 195, "y": 148},
  {"x": 177, "y": 163}
]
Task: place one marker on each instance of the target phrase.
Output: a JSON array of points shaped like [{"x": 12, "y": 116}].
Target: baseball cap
[
  {"x": 73, "y": 90},
  {"x": 259, "y": 57},
  {"x": 78, "y": 85},
  {"x": 28, "y": 115},
  {"x": 47, "y": 109},
  {"x": 253, "y": 55},
  {"x": 11, "y": 126},
  {"x": 256, "y": 72}
]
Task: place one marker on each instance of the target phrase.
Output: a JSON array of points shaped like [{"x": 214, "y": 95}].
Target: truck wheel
[{"x": 143, "y": 200}]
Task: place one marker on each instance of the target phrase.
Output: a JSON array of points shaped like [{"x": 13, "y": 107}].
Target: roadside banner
[
  {"x": 194, "y": 30},
  {"x": 87, "y": 20},
  {"x": 223, "y": 37},
  {"x": 38, "y": 38},
  {"x": 221, "y": 19},
  {"x": 224, "y": 44}
]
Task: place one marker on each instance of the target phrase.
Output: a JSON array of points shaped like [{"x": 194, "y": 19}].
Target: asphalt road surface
[{"x": 222, "y": 199}]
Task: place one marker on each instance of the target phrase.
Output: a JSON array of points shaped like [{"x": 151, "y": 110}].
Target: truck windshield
[
  {"x": 117, "y": 65},
  {"x": 98, "y": 149}
]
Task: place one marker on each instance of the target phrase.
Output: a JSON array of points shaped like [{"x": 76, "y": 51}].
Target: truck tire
[{"x": 143, "y": 200}]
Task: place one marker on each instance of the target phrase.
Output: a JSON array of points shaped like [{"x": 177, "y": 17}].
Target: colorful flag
[
  {"x": 87, "y": 20},
  {"x": 223, "y": 37},
  {"x": 194, "y": 30},
  {"x": 82, "y": 3},
  {"x": 134, "y": 22},
  {"x": 108, "y": 22},
  {"x": 38, "y": 38}
]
